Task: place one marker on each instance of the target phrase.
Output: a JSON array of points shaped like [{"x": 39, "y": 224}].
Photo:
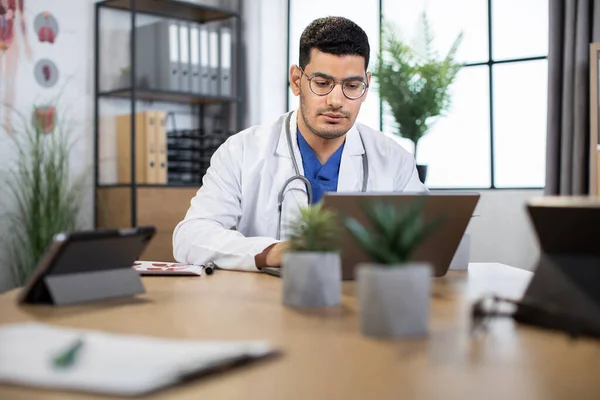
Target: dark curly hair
[{"x": 334, "y": 35}]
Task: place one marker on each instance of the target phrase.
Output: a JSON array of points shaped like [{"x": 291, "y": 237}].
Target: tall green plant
[
  {"x": 316, "y": 229},
  {"x": 414, "y": 83},
  {"x": 43, "y": 198},
  {"x": 395, "y": 232}
]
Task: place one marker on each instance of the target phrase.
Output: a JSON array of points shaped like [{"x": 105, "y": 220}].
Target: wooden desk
[{"x": 324, "y": 354}]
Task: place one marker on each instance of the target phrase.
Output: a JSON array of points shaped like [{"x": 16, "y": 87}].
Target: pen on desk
[
  {"x": 210, "y": 268},
  {"x": 67, "y": 357}
]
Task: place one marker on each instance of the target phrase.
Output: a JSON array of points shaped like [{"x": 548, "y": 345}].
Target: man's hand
[
  {"x": 275, "y": 255},
  {"x": 272, "y": 256}
]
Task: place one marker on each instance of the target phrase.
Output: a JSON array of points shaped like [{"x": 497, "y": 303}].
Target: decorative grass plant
[
  {"x": 43, "y": 199},
  {"x": 396, "y": 231},
  {"x": 316, "y": 230}
]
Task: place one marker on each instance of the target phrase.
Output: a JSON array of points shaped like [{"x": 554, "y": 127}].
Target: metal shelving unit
[{"x": 171, "y": 9}]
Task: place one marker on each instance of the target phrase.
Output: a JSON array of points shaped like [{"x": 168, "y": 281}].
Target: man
[{"x": 259, "y": 178}]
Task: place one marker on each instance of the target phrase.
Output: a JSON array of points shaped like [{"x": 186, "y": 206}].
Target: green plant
[
  {"x": 316, "y": 229},
  {"x": 396, "y": 231},
  {"x": 415, "y": 84},
  {"x": 43, "y": 199}
]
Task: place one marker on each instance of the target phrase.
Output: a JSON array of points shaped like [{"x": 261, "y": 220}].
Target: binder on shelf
[
  {"x": 146, "y": 155},
  {"x": 161, "y": 145},
  {"x": 184, "y": 57},
  {"x": 195, "y": 58},
  {"x": 225, "y": 67},
  {"x": 204, "y": 61},
  {"x": 157, "y": 56},
  {"x": 214, "y": 56},
  {"x": 145, "y": 56},
  {"x": 169, "y": 73}
]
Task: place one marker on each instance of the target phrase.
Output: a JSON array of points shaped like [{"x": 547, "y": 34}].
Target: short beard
[{"x": 328, "y": 135}]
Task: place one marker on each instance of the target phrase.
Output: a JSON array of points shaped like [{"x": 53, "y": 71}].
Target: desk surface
[{"x": 324, "y": 354}]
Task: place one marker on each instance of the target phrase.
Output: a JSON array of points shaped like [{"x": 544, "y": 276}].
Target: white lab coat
[{"x": 233, "y": 216}]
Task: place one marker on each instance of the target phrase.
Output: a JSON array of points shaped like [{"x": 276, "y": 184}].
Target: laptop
[{"x": 455, "y": 209}]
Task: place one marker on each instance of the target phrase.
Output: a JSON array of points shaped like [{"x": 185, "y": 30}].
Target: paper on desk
[
  {"x": 124, "y": 365},
  {"x": 166, "y": 268}
]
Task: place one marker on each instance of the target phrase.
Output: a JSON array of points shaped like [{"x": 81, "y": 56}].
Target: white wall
[
  {"x": 265, "y": 34},
  {"x": 503, "y": 232}
]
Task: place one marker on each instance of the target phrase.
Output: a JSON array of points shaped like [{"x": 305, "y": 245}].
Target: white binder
[
  {"x": 194, "y": 58},
  {"x": 145, "y": 57},
  {"x": 174, "y": 72},
  {"x": 213, "y": 36},
  {"x": 204, "y": 61},
  {"x": 184, "y": 57},
  {"x": 157, "y": 56},
  {"x": 225, "y": 67}
]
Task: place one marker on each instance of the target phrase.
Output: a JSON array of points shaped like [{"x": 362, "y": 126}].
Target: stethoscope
[{"x": 298, "y": 176}]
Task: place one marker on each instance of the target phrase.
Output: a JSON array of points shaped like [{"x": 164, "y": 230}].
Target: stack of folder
[
  {"x": 180, "y": 56},
  {"x": 189, "y": 153},
  {"x": 184, "y": 156},
  {"x": 164, "y": 156},
  {"x": 150, "y": 148}
]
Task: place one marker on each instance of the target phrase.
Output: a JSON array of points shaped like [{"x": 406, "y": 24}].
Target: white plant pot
[
  {"x": 312, "y": 279},
  {"x": 394, "y": 300}
]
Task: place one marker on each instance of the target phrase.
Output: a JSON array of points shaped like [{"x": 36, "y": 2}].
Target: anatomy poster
[
  {"x": 46, "y": 27},
  {"x": 44, "y": 118},
  {"x": 46, "y": 73}
]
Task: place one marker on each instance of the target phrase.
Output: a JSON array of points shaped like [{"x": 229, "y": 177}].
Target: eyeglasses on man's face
[{"x": 321, "y": 85}]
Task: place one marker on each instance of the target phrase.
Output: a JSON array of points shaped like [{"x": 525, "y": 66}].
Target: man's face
[{"x": 332, "y": 115}]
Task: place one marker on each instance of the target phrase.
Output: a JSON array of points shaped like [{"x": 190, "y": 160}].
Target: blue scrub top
[{"x": 323, "y": 178}]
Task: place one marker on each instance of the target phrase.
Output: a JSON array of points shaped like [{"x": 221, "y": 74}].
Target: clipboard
[{"x": 150, "y": 364}]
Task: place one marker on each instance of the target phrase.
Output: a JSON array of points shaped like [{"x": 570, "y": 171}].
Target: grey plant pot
[
  {"x": 312, "y": 279},
  {"x": 394, "y": 300}
]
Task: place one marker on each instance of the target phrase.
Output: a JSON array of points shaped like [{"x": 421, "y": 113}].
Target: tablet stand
[
  {"x": 81, "y": 287},
  {"x": 95, "y": 285},
  {"x": 567, "y": 288}
]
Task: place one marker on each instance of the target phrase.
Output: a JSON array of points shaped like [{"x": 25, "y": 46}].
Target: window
[{"x": 494, "y": 135}]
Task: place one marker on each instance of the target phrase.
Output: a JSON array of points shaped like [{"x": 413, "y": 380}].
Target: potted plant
[
  {"x": 415, "y": 83},
  {"x": 393, "y": 291},
  {"x": 43, "y": 196},
  {"x": 311, "y": 266}
]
